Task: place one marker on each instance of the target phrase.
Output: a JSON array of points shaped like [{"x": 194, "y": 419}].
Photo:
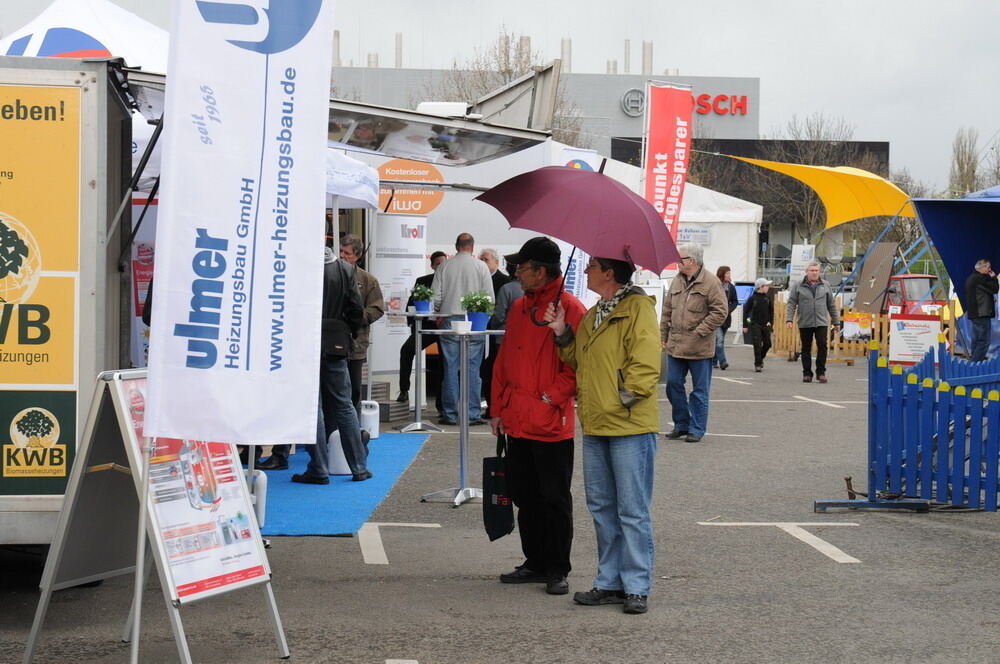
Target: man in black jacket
[
  {"x": 758, "y": 321},
  {"x": 409, "y": 348},
  {"x": 342, "y": 318},
  {"x": 980, "y": 289}
]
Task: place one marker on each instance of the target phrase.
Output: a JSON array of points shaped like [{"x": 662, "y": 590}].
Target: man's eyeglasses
[
  {"x": 684, "y": 258},
  {"x": 524, "y": 266}
]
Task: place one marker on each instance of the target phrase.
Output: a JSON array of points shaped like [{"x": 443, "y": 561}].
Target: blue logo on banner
[
  {"x": 62, "y": 43},
  {"x": 288, "y": 21}
]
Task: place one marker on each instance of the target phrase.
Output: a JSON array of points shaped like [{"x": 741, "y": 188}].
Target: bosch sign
[
  {"x": 721, "y": 104},
  {"x": 633, "y": 103}
]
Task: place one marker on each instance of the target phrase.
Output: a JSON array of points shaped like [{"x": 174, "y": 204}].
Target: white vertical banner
[
  {"x": 398, "y": 258},
  {"x": 234, "y": 347}
]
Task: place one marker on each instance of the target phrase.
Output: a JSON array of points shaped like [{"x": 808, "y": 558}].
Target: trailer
[{"x": 65, "y": 128}]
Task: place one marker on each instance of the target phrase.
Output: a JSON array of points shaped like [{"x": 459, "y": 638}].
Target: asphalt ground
[{"x": 925, "y": 587}]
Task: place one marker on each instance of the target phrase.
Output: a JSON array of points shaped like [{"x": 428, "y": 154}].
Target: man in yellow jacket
[
  {"x": 616, "y": 355},
  {"x": 693, "y": 307}
]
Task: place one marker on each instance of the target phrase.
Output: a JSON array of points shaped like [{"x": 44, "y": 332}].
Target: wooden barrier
[{"x": 840, "y": 350}]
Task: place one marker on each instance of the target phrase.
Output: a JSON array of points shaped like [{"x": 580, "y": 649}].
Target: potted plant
[
  {"x": 478, "y": 306},
  {"x": 422, "y": 296}
]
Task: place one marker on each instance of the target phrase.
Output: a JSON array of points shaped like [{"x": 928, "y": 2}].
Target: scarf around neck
[{"x": 605, "y": 307}]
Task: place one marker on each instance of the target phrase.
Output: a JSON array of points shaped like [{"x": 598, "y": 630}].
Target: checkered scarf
[{"x": 605, "y": 307}]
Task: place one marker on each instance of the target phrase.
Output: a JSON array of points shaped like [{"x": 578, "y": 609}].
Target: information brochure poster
[
  {"x": 200, "y": 510},
  {"x": 911, "y": 336}
]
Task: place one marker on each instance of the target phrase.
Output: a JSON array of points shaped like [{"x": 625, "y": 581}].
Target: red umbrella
[{"x": 589, "y": 210}]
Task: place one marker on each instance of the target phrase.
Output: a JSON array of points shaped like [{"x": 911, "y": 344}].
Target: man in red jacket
[{"x": 533, "y": 398}]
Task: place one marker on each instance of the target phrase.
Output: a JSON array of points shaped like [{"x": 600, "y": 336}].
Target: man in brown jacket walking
[{"x": 693, "y": 307}]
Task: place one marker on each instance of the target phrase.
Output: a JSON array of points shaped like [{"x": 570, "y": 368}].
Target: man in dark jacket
[
  {"x": 409, "y": 348},
  {"x": 500, "y": 279},
  {"x": 758, "y": 320},
  {"x": 533, "y": 403},
  {"x": 980, "y": 289},
  {"x": 342, "y": 318}
]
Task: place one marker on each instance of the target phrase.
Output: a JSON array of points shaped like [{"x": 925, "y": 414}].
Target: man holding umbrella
[{"x": 693, "y": 307}]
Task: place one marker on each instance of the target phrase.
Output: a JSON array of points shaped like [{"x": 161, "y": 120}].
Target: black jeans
[
  {"x": 760, "y": 337},
  {"x": 406, "y": 354},
  {"x": 539, "y": 476},
  {"x": 807, "y": 335},
  {"x": 354, "y": 368}
]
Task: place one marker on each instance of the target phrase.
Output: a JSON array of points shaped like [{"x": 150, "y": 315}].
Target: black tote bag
[{"x": 498, "y": 510}]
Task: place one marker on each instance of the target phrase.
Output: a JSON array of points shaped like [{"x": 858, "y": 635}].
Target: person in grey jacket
[{"x": 813, "y": 299}]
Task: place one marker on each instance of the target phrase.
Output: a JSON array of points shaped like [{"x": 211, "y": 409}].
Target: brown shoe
[{"x": 807, "y": 378}]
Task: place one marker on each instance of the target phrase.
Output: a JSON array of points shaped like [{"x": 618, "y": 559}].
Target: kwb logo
[
  {"x": 411, "y": 232},
  {"x": 288, "y": 21}
]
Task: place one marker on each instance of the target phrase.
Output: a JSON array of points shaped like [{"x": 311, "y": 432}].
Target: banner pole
[{"x": 147, "y": 568}]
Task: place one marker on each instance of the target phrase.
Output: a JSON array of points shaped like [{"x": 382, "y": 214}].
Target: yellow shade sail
[{"x": 847, "y": 193}]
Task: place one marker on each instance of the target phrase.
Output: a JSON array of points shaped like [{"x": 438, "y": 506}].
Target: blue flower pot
[
  {"x": 478, "y": 319},
  {"x": 422, "y": 306}
]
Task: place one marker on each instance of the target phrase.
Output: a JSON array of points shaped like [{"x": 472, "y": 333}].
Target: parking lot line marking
[
  {"x": 370, "y": 539},
  {"x": 748, "y": 401},
  {"x": 724, "y": 435},
  {"x": 734, "y": 380},
  {"x": 401, "y": 661},
  {"x": 822, "y": 403},
  {"x": 797, "y": 531},
  {"x": 821, "y": 545}
]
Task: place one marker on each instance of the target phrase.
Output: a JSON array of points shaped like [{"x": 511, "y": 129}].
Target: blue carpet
[{"x": 342, "y": 506}]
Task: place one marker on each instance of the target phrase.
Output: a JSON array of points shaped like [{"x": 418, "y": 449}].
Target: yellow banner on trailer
[{"x": 39, "y": 276}]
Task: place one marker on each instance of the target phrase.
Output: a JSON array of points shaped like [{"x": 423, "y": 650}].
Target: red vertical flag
[{"x": 668, "y": 149}]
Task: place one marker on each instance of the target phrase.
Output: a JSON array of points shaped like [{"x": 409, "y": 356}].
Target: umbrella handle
[{"x": 562, "y": 286}]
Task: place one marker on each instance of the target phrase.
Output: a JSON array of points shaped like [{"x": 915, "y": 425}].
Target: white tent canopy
[
  {"x": 353, "y": 183},
  {"x": 90, "y": 29}
]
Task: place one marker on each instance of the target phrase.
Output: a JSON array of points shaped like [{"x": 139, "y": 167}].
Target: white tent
[
  {"x": 90, "y": 29},
  {"x": 726, "y": 227}
]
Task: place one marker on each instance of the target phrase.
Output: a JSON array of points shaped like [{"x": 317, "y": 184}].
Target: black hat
[{"x": 538, "y": 250}]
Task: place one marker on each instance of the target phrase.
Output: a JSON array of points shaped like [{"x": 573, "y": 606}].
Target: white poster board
[
  {"x": 199, "y": 508},
  {"x": 911, "y": 336},
  {"x": 103, "y": 518},
  {"x": 398, "y": 258}
]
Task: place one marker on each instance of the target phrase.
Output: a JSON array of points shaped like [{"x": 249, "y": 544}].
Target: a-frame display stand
[{"x": 98, "y": 529}]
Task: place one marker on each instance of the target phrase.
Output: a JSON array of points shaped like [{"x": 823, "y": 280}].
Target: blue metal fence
[{"x": 931, "y": 437}]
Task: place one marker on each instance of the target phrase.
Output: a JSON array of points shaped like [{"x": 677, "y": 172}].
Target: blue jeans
[
  {"x": 318, "y": 452},
  {"x": 981, "y": 332},
  {"x": 338, "y": 414},
  {"x": 720, "y": 347},
  {"x": 337, "y": 409},
  {"x": 449, "y": 386},
  {"x": 618, "y": 478},
  {"x": 689, "y": 413}
]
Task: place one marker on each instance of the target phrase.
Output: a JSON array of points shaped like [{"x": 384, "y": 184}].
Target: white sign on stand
[
  {"x": 196, "y": 511},
  {"x": 399, "y": 257},
  {"x": 911, "y": 336}
]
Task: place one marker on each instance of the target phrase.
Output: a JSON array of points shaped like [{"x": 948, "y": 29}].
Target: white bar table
[
  {"x": 418, "y": 424},
  {"x": 463, "y": 492}
]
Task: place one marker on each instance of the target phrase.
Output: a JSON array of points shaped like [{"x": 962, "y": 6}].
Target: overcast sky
[{"x": 908, "y": 72}]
